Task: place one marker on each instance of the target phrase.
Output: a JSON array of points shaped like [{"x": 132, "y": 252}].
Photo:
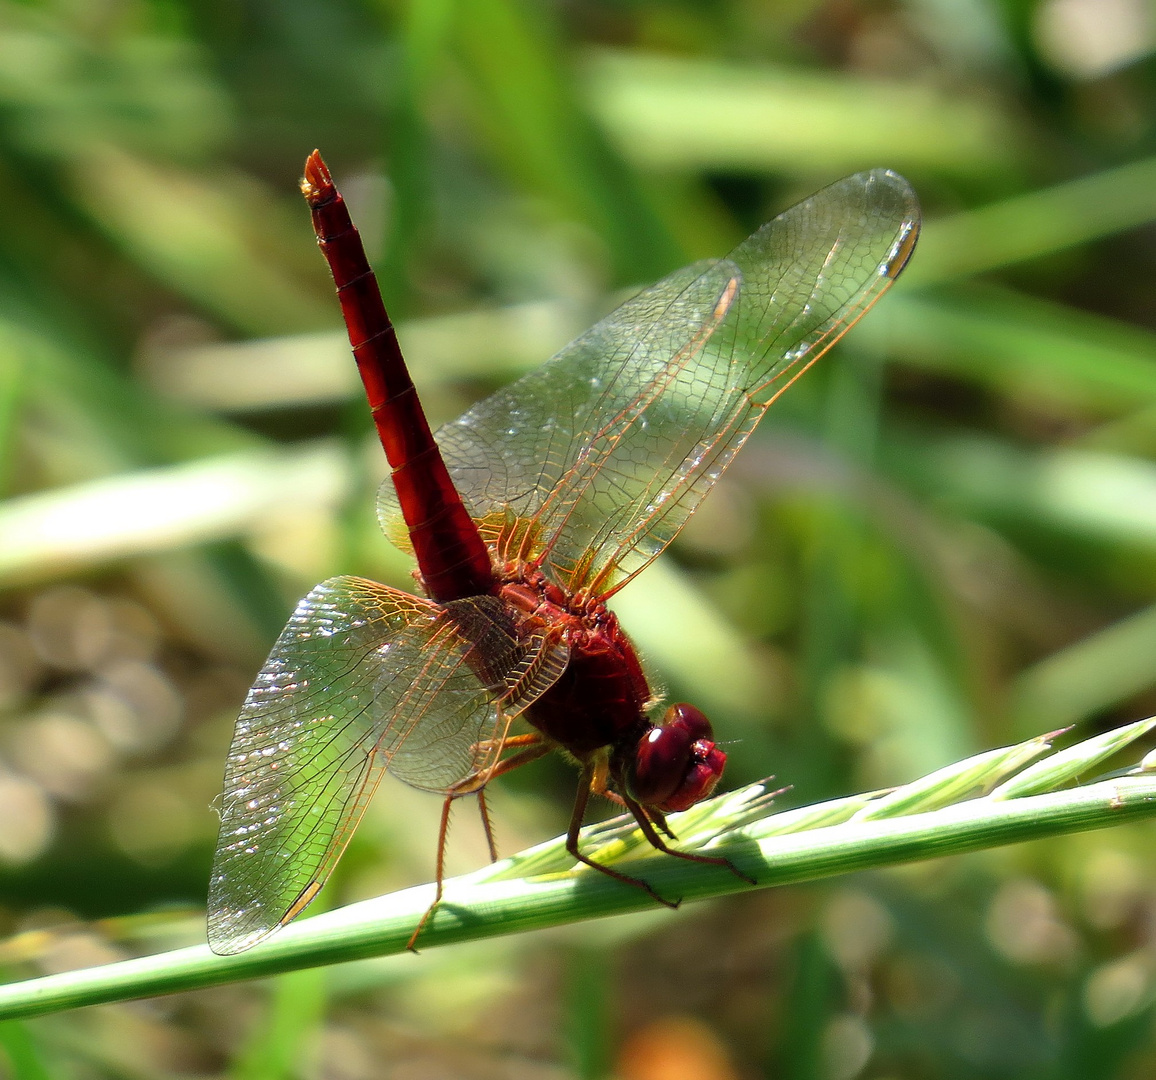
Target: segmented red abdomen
[{"x": 451, "y": 555}]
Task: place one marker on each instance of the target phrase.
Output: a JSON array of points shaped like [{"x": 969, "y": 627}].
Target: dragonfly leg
[
  {"x": 643, "y": 817},
  {"x": 486, "y": 746},
  {"x": 656, "y": 817},
  {"x": 474, "y": 785},
  {"x": 534, "y": 749},
  {"x": 585, "y": 785},
  {"x": 487, "y": 825},
  {"x": 443, "y": 832},
  {"x": 530, "y": 738}
]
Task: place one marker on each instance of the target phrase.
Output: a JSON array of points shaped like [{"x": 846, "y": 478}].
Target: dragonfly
[{"x": 526, "y": 515}]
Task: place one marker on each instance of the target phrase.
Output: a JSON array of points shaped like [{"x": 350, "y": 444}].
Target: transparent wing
[
  {"x": 553, "y": 427},
  {"x": 362, "y": 679},
  {"x": 595, "y": 461}
]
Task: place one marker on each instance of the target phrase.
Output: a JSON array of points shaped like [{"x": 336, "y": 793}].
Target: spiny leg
[
  {"x": 583, "y": 797},
  {"x": 473, "y": 785},
  {"x": 511, "y": 742},
  {"x": 647, "y": 817},
  {"x": 642, "y": 816},
  {"x": 656, "y": 817},
  {"x": 443, "y": 830},
  {"x": 599, "y": 787},
  {"x": 532, "y": 752},
  {"x": 534, "y": 749},
  {"x": 487, "y": 825}
]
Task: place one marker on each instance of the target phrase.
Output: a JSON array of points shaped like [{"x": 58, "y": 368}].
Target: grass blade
[{"x": 489, "y": 903}]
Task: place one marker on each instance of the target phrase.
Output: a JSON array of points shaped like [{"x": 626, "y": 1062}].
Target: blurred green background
[{"x": 943, "y": 539}]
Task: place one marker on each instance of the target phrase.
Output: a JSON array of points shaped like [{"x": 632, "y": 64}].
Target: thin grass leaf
[
  {"x": 820, "y": 816},
  {"x": 1018, "y": 345},
  {"x": 1071, "y": 763},
  {"x": 132, "y": 514},
  {"x": 1108, "y": 497},
  {"x": 618, "y": 837},
  {"x": 276, "y": 1046},
  {"x": 686, "y": 114},
  {"x": 972, "y": 776},
  {"x": 1038, "y": 223},
  {"x": 1088, "y": 676},
  {"x": 24, "y": 1057},
  {"x": 486, "y": 904}
]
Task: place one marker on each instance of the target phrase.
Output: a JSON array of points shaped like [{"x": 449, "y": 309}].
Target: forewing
[
  {"x": 362, "y": 679},
  {"x": 542, "y": 438},
  {"x": 610, "y": 446}
]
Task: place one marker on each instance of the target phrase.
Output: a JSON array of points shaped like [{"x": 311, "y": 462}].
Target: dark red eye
[{"x": 677, "y": 763}]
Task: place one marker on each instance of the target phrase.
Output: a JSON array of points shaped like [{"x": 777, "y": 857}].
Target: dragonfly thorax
[{"x": 601, "y": 701}]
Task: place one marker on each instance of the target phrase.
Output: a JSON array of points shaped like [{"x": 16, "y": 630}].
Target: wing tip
[
  {"x": 906, "y": 212},
  {"x": 901, "y": 251}
]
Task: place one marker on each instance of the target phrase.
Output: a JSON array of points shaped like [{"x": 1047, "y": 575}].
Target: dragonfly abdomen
[{"x": 451, "y": 555}]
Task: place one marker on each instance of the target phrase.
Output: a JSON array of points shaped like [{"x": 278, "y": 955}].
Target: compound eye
[{"x": 677, "y": 763}]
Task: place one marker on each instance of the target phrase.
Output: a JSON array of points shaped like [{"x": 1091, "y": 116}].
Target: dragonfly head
[{"x": 676, "y": 763}]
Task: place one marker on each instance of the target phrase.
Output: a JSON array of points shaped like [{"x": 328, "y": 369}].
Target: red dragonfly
[{"x": 526, "y": 515}]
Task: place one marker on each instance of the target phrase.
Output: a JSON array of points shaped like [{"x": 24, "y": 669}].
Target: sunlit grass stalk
[{"x": 982, "y": 802}]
